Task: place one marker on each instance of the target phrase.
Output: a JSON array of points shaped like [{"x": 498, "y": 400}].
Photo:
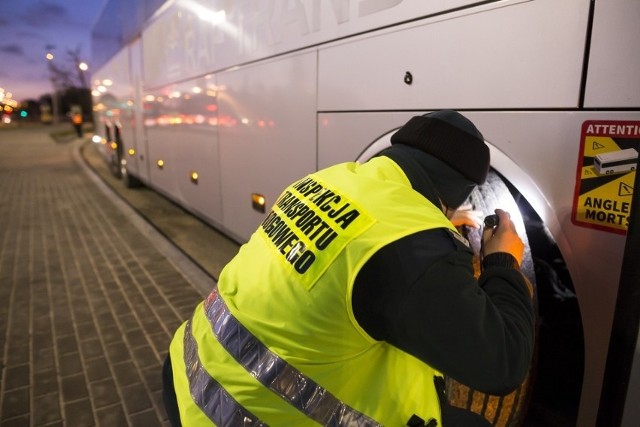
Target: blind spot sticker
[{"x": 605, "y": 175}]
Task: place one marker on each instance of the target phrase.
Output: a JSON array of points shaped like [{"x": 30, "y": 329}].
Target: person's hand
[
  {"x": 465, "y": 215},
  {"x": 503, "y": 238}
]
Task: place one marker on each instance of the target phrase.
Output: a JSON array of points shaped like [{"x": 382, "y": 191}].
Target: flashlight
[{"x": 491, "y": 221}]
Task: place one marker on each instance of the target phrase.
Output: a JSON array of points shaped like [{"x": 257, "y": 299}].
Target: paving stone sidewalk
[{"x": 88, "y": 303}]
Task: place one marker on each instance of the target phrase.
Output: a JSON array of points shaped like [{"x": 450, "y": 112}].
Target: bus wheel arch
[{"x": 551, "y": 392}]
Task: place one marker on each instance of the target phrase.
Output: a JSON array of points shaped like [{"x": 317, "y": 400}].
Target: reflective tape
[
  {"x": 209, "y": 395},
  {"x": 276, "y": 374}
]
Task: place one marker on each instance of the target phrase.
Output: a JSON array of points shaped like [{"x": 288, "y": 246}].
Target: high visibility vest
[
  {"x": 77, "y": 119},
  {"x": 276, "y": 342}
]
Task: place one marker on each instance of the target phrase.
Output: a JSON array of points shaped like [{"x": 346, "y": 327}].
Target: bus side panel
[
  {"x": 343, "y": 136},
  {"x": 137, "y": 162},
  {"x": 267, "y": 134},
  {"x": 181, "y": 122},
  {"x": 524, "y": 55},
  {"x": 114, "y": 104},
  {"x": 163, "y": 164},
  {"x": 201, "y": 37},
  {"x": 614, "y": 63}
]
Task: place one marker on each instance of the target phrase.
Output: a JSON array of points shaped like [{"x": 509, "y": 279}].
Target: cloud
[
  {"x": 46, "y": 14},
  {"x": 29, "y": 26},
  {"x": 12, "y": 49}
]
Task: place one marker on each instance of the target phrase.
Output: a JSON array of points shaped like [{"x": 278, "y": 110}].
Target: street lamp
[
  {"x": 82, "y": 67},
  {"x": 54, "y": 95}
]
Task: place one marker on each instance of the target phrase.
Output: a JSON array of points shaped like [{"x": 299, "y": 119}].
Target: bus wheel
[
  {"x": 115, "y": 164},
  {"x": 508, "y": 410},
  {"x": 550, "y": 393},
  {"x": 128, "y": 180}
]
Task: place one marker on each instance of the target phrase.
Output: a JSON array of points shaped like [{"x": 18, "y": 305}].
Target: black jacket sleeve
[{"x": 420, "y": 295}]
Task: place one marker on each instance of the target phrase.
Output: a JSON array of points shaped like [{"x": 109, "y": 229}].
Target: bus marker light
[{"x": 258, "y": 202}]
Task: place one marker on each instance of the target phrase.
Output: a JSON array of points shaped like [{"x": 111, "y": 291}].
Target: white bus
[
  {"x": 219, "y": 104},
  {"x": 619, "y": 161}
]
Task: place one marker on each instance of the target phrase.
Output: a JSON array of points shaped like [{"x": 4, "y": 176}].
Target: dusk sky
[{"x": 27, "y": 27}]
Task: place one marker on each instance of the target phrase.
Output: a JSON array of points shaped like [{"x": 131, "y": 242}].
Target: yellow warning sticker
[{"x": 606, "y": 174}]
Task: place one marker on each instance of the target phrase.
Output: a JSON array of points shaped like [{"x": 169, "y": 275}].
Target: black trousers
[{"x": 169, "y": 394}]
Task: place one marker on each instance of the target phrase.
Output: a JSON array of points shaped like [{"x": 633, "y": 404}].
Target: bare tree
[
  {"x": 70, "y": 84},
  {"x": 67, "y": 74}
]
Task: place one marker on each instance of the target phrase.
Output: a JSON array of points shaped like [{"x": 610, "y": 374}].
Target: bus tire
[
  {"x": 115, "y": 164},
  {"x": 129, "y": 180},
  {"x": 508, "y": 410}
]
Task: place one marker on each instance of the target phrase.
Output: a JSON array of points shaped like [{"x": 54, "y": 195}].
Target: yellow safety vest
[{"x": 276, "y": 343}]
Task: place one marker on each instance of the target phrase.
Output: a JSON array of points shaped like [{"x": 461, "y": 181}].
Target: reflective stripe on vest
[
  {"x": 274, "y": 373},
  {"x": 208, "y": 394}
]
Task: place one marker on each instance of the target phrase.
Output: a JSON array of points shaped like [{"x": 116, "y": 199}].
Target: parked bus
[{"x": 219, "y": 104}]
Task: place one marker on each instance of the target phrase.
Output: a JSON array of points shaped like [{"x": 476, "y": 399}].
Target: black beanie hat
[
  {"x": 457, "y": 157},
  {"x": 449, "y": 136}
]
